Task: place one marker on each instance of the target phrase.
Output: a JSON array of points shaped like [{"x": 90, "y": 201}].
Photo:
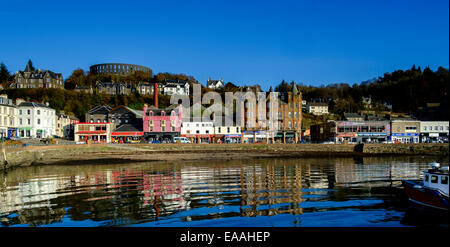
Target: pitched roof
[
  {"x": 173, "y": 107},
  {"x": 33, "y": 104},
  {"x": 100, "y": 109},
  {"x": 138, "y": 113},
  {"x": 213, "y": 82},
  {"x": 127, "y": 128}
]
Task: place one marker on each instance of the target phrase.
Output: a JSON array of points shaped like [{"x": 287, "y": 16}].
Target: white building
[
  {"x": 228, "y": 134},
  {"x": 167, "y": 87},
  {"x": 214, "y": 84},
  {"x": 317, "y": 108},
  {"x": 8, "y": 117},
  {"x": 199, "y": 132},
  {"x": 36, "y": 120},
  {"x": 432, "y": 131},
  {"x": 176, "y": 89}
]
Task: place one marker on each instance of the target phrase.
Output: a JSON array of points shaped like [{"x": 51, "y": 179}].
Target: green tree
[
  {"x": 5, "y": 76},
  {"x": 77, "y": 78}
]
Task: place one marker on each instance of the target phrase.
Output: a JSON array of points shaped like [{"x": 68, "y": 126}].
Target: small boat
[{"x": 432, "y": 191}]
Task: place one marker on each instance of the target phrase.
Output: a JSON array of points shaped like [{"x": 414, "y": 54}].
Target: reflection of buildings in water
[
  {"x": 375, "y": 172},
  {"x": 275, "y": 189},
  {"x": 32, "y": 194},
  {"x": 31, "y": 200},
  {"x": 315, "y": 176},
  {"x": 212, "y": 184},
  {"x": 121, "y": 192}
]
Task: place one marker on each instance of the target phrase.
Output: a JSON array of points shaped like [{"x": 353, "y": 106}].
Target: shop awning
[
  {"x": 237, "y": 136},
  {"x": 197, "y": 135},
  {"x": 346, "y": 135},
  {"x": 127, "y": 133}
]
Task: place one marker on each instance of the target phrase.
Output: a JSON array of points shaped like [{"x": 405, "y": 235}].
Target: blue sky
[{"x": 245, "y": 42}]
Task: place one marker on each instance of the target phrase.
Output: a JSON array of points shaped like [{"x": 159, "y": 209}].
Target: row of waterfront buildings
[
  {"x": 123, "y": 124},
  {"x": 396, "y": 131},
  {"x": 33, "y": 120}
]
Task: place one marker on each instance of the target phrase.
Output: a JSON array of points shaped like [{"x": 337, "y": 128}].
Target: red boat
[{"x": 432, "y": 192}]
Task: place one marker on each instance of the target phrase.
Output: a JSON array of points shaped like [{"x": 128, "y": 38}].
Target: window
[
  {"x": 426, "y": 177},
  {"x": 29, "y": 121},
  {"x": 39, "y": 112},
  {"x": 28, "y": 112},
  {"x": 444, "y": 180},
  {"x": 20, "y": 112},
  {"x": 425, "y": 128},
  {"x": 38, "y": 121},
  {"x": 434, "y": 179}
]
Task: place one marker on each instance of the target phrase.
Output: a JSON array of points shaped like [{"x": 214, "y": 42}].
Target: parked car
[
  {"x": 181, "y": 139},
  {"x": 156, "y": 141},
  {"x": 328, "y": 142}
]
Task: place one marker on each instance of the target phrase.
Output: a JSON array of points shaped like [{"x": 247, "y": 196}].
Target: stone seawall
[
  {"x": 412, "y": 149},
  {"x": 35, "y": 154},
  {"x": 122, "y": 153}
]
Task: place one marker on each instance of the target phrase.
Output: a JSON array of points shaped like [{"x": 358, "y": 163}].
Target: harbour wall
[{"x": 113, "y": 153}]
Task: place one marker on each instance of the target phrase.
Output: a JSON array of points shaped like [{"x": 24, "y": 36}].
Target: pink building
[{"x": 162, "y": 124}]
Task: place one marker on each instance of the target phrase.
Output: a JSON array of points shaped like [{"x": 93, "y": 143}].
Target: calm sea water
[{"x": 324, "y": 192}]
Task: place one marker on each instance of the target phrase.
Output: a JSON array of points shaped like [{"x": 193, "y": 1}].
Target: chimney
[
  {"x": 145, "y": 109},
  {"x": 155, "y": 94}
]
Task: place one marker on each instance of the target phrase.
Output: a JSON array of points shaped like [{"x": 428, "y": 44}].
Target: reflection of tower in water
[{"x": 271, "y": 189}]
